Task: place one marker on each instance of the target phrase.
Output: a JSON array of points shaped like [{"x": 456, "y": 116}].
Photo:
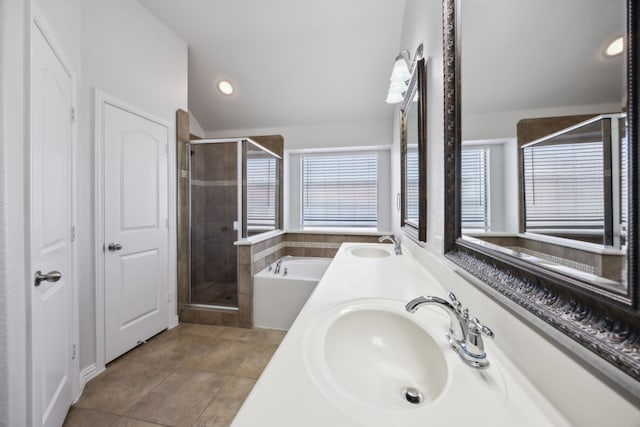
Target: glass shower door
[{"x": 214, "y": 211}]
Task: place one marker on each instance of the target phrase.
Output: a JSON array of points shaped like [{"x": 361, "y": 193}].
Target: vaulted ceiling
[{"x": 292, "y": 62}]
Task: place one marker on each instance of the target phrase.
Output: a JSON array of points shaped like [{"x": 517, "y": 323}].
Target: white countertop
[{"x": 286, "y": 394}]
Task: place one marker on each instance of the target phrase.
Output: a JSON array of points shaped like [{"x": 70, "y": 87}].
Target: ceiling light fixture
[
  {"x": 615, "y": 48},
  {"x": 225, "y": 87},
  {"x": 401, "y": 74}
]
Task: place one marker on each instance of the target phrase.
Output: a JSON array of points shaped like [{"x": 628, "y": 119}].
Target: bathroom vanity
[{"x": 356, "y": 357}]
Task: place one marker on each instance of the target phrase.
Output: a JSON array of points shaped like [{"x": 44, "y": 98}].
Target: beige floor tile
[
  {"x": 224, "y": 407},
  {"x": 257, "y": 335},
  {"x": 253, "y": 365},
  {"x": 200, "y": 330},
  {"x": 130, "y": 422},
  {"x": 121, "y": 386},
  {"x": 224, "y": 357},
  {"x": 81, "y": 417},
  {"x": 180, "y": 399},
  {"x": 157, "y": 353}
]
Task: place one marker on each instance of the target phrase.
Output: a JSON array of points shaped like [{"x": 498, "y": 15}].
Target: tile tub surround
[
  {"x": 254, "y": 256},
  {"x": 286, "y": 394},
  {"x": 193, "y": 375}
]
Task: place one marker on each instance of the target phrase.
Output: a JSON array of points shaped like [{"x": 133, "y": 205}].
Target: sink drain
[{"x": 412, "y": 395}]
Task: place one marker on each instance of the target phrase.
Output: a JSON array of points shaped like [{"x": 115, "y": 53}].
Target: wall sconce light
[{"x": 401, "y": 74}]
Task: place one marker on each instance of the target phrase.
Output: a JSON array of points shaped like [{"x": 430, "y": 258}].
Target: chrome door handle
[
  {"x": 52, "y": 276},
  {"x": 114, "y": 247}
]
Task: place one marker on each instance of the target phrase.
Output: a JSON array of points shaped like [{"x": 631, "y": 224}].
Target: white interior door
[
  {"x": 50, "y": 223},
  {"x": 136, "y": 229}
]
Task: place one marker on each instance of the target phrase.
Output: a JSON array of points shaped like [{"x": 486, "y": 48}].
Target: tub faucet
[
  {"x": 279, "y": 264},
  {"x": 397, "y": 249},
  {"x": 465, "y": 336}
]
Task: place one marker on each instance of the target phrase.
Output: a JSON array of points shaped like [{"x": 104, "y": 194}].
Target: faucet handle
[
  {"x": 475, "y": 327},
  {"x": 456, "y": 304}
]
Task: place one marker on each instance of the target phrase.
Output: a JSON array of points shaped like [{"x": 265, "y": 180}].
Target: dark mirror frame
[
  {"x": 603, "y": 323},
  {"x": 417, "y": 84}
]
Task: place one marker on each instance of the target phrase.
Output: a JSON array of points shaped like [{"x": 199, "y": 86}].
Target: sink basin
[
  {"x": 370, "y": 357},
  {"x": 373, "y": 351},
  {"x": 369, "y": 251},
  {"x": 376, "y": 354}
]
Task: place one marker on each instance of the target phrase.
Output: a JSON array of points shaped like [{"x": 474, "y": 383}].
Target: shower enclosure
[{"x": 222, "y": 212}]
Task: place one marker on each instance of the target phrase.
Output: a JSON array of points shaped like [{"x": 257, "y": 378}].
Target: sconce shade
[
  {"x": 400, "y": 71},
  {"x": 397, "y": 87},
  {"x": 394, "y": 98}
]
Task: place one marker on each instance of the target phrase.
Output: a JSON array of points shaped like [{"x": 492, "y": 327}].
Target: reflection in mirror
[
  {"x": 413, "y": 155},
  {"x": 544, "y": 153},
  {"x": 412, "y": 179},
  {"x": 261, "y": 189},
  {"x": 527, "y": 90}
]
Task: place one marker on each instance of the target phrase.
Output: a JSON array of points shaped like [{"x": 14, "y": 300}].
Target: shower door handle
[{"x": 114, "y": 247}]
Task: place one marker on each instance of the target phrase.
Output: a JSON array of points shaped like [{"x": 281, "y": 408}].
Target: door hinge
[
  {"x": 166, "y": 222},
  {"x": 73, "y": 115},
  {"x": 74, "y": 351},
  {"x": 73, "y": 233},
  {"x": 166, "y": 148}
]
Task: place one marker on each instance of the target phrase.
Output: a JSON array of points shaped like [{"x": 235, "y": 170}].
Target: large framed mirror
[
  {"x": 413, "y": 155},
  {"x": 541, "y": 162}
]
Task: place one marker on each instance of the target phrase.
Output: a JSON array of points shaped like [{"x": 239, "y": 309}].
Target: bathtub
[{"x": 278, "y": 298}]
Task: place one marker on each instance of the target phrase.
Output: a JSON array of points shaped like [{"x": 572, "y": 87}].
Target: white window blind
[
  {"x": 624, "y": 180},
  {"x": 262, "y": 195},
  {"x": 412, "y": 185},
  {"x": 340, "y": 190},
  {"x": 564, "y": 188},
  {"x": 475, "y": 188}
]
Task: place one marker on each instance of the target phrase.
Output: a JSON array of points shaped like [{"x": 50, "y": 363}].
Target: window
[
  {"x": 412, "y": 185},
  {"x": 475, "y": 188},
  {"x": 262, "y": 196},
  {"x": 339, "y": 190},
  {"x": 564, "y": 187}
]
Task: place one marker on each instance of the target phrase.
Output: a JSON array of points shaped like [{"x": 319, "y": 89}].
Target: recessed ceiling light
[
  {"x": 614, "y": 48},
  {"x": 225, "y": 87}
]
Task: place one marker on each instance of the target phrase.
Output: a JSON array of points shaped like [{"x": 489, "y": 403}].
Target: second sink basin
[{"x": 369, "y": 251}]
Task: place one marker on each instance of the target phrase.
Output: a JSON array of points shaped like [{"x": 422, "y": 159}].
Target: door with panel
[
  {"x": 50, "y": 155},
  {"x": 135, "y": 228}
]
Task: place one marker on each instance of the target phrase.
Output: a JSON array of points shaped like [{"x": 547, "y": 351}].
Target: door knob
[
  {"x": 52, "y": 276},
  {"x": 114, "y": 247}
]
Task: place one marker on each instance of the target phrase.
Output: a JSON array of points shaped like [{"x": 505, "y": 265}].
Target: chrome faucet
[
  {"x": 279, "y": 264},
  {"x": 397, "y": 249},
  {"x": 465, "y": 336}
]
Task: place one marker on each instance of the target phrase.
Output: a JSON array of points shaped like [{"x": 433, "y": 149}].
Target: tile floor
[{"x": 192, "y": 376}]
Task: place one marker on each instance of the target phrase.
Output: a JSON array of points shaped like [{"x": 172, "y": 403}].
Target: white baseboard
[
  {"x": 86, "y": 375},
  {"x": 174, "y": 322}
]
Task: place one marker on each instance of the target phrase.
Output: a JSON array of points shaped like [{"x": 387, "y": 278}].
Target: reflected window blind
[
  {"x": 412, "y": 184},
  {"x": 624, "y": 179},
  {"x": 261, "y": 193},
  {"x": 564, "y": 187},
  {"x": 340, "y": 190},
  {"x": 475, "y": 188}
]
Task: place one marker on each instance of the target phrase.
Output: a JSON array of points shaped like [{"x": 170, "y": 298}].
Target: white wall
[
  {"x": 120, "y": 48},
  {"x": 574, "y": 390},
  {"x": 194, "y": 126},
  {"x": 13, "y": 287},
  {"x": 347, "y": 134}
]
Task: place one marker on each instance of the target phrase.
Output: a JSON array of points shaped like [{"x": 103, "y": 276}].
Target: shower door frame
[{"x": 238, "y": 221}]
